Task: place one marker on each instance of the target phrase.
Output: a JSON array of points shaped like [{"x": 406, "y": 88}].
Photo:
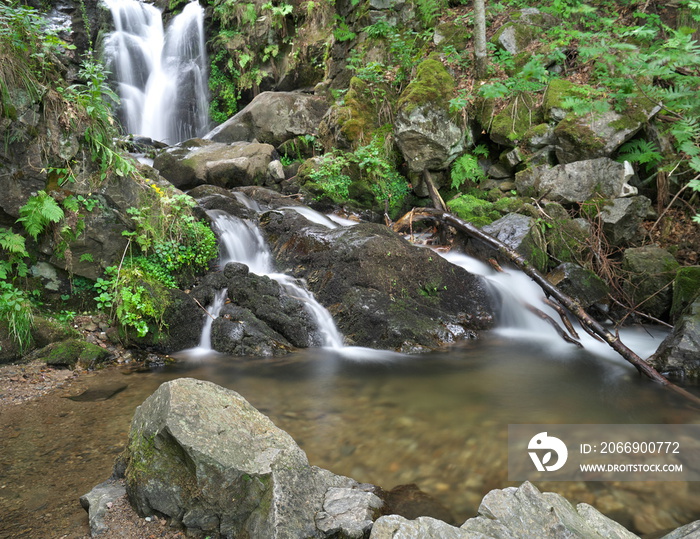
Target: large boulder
[
  {"x": 622, "y": 219},
  {"x": 205, "y": 458},
  {"x": 273, "y": 118},
  {"x": 579, "y": 283},
  {"x": 524, "y": 27},
  {"x": 577, "y": 182},
  {"x": 383, "y": 292},
  {"x": 198, "y": 162}
]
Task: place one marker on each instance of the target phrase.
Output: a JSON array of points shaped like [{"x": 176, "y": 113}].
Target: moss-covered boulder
[
  {"x": 425, "y": 131},
  {"x": 74, "y": 353},
  {"x": 205, "y": 458},
  {"x": 510, "y": 121},
  {"x": 679, "y": 354},
  {"x": 524, "y": 27},
  {"x": 579, "y": 283},
  {"x": 49, "y": 330},
  {"x": 686, "y": 289},
  {"x": 649, "y": 272}
]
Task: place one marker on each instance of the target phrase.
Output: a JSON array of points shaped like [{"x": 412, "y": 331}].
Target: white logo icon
[{"x": 552, "y": 445}]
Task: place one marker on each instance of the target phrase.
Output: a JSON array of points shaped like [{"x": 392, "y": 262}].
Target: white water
[
  {"x": 161, "y": 75},
  {"x": 517, "y": 290},
  {"x": 242, "y": 242}
]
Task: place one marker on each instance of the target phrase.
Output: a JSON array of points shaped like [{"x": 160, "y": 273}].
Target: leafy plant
[
  {"x": 40, "y": 211},
  {"x": 466, "y": 168},
  {"x": 16, "y": 310},
  {"x": 640, "y": 151}
]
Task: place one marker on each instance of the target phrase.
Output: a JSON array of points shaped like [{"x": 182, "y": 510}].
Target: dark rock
[
  {"x": 579, "y": 283},
  {"x": 194, "y": 447},
  {"x": 650, "y": 270},
  {"x": 382, "y": 291},
  {"x": 686, "y": 288},
  {"x": 96, "y": 503},
  {"x": 273, "y": 118},
  {"x": 679, "y": 353}
]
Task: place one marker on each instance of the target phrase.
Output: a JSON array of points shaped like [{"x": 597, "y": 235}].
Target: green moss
[
  {"x": 557, "y": 91},
  {"x": 509, "y": 205},
  {"x": 72, "y": 353},
  {"x": 582, "y": 135},
  {"x": 686, "y": 288},
  {"x": 636, "y": 113},
  {"x": 432, "y": 84},
  {"x": 477, "y": 211},
  {"x": 516, "y": 119},
  {"x": 356, "y": 118}
]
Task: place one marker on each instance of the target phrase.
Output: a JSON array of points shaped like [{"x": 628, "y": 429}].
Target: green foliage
[
  {"x": 342, "y": 31},
  {"x": 429, "y": 11},
  {"x": 13, "y": 253},
  {"x": 475, "y": 210},
  {"x": 39, "y": 212},
  {"x": 16, "y": 310},
  {"x": 331, "y": 177},
  {"x": 466, "y": 168},
  {"x": 640, "y": 151}
]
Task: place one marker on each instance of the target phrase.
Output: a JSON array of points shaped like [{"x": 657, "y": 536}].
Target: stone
[
  {"x": 525, "y": 27},
  {"x": 576, "y": 182},
  {"x": 597, "y": 134},
  {"x": 195, "y": 447},
  {"x": 649, "y": 271},
  {"x": 411, "y": 502},
  {"x": 623, "y": 218},
  {"x": 520, "y": 233},
  {"x": 398, "y": 527},
  {"x": 350, "y": 511},
  {"x": 382, "y": 291},
  {"x": 526, "y": 513},
  {"x": 97, "y": 503},
  {"x": 73, "y": 353},
  {"x": 678, "y": 354},
  {"x": 225, "y": 165},
  {"x": 579, "y": 283},
  {"x": 686, "y": 288},
  {"x": 273, "y": 118},
  {"x": 689, "y": 531}
]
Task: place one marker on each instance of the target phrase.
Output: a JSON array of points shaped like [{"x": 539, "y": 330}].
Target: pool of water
[{"x": 437, "y": 420}]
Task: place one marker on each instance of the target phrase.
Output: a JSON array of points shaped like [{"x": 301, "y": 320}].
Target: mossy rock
[
  {"x": 74, "y": 353},
  {"x": 514, "y": 121},
  {"x": 432, "y": 84},
  {"x": 567, "y": 239},
  {"x": 649, "y": 269},
  {"x": 357, "y": 117},
  {"x": 686, "y": 289},
  {"x": 50, "y": 330},
  {"x": 474, "y": 210}
]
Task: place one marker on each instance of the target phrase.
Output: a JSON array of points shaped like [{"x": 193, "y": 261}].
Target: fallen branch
[
  {"x": 573, "y": 306},
  {"x": 544, "y": 316}
]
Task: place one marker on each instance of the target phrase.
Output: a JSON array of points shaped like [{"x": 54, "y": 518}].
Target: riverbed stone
[
  {"x": 98, "y": 501},
  {"x": 526, "y": 513},
  {"x": 579, "y": 283},
  {"x": 273, "y": 118},
  {"x": 398, "y": 527},
  {"x": 382, "y": 291},
  {"x": 679, "y": 353},
  {"x": 649, "y": 271},
  {"x": 350, "y": 511},
  {"x": 194, "y": 447}
]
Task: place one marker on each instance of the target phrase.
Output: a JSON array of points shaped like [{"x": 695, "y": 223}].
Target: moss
[
  {"x": 432, "y": 84},
  {"x": 581, "y": 135},
  {"x": 474, "y": 210},
  {"x": 636, "y": 112},
  {"x": 509, "y": 205},
  {"x": 72, "y": 353},
  {"x": 686, "y": 288},
  {"x": 514, "y": 121},
  {"x": 557, "y": 91},
  {"x": 356, "y": 118}
]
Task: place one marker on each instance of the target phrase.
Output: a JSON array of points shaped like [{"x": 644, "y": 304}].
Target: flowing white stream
[
  {"x": 242, "y": 242},
  {"x": 161, "y": 75}
]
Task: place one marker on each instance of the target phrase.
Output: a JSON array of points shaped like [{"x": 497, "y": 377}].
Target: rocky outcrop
[
  {"x": 382, "y": 291},
  {"x": 197, "y": 162},
  {"x": 622, "y": 219},
  {"x": 205, "y": 458},
  {"x": 679, "y": 354},
  {"x": 273, "y": 118},
  {"x": 523, "y": 28},
  {"x": 649, "y": 271}
]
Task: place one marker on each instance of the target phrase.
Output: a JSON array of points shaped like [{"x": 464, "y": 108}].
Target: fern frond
[
  {"x": 11, "y": 242},
  {"x": 640, "y": 151},
  {"x": 39, "y": 211}
]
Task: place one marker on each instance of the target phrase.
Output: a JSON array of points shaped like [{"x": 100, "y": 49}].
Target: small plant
[{"x": 466, "y": 168}]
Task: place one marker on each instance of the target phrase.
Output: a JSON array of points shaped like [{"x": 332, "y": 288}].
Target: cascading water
[
  {"x": 161, "y": 76},
  {"x": 242, "y": 242}
]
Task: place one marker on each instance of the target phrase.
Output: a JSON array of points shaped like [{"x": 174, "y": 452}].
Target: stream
[{"x": 437, "y": 420}]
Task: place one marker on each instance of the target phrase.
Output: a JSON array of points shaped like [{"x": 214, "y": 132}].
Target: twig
[
  {"x": 544, "y": 316},
  {"x": 202, "y": 307},
  {"x": 564, "y": 319}
]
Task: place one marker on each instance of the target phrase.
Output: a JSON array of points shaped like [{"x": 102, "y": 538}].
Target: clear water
[{"x": 438, "y": 420}]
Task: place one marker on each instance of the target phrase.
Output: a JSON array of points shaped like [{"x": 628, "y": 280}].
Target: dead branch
[
  {"x": 544, "y": 316},
  {"x": 573, "y": 306},
  {"x": 564, "y": 319}
]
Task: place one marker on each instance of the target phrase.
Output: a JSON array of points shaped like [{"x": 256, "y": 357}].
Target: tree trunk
[
  {"x": 573, "y": 306},
  {"x": 480, "y": 57}
]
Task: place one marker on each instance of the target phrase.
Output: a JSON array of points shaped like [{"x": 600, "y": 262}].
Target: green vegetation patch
[{"x": 432, "y": 84}]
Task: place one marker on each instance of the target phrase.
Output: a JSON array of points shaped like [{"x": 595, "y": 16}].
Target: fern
[
  {"x": 640, "y": 151},
  {"x": 466, "y": 168},
  {"x": 39, "y": 211}
]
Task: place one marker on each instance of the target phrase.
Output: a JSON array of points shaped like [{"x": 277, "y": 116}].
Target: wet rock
[
  {"x": 382, "y": 291},
  {"x": 198, "y": 162},
  {"x": 273, "y": 118},
  {"x": 623, "y": 218},
  {"x": 98, "y": 501},
  {"x": 650, "y": 269},
  {"x": 411, "y": 502},
  {"x": 397, "y": 527},
  {"x": 577, "y": 182},
  {"x": 194, "y": 447},
  {"x": 520, "y": 233},
  {"x": 579, "y": 283},
  {"x": 679, "y": 353},
  {"x": 686, "y": 288},
  {"x": 527, "y": 513}
]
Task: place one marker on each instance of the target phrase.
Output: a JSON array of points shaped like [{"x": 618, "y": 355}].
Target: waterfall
[
  {"x": 242, "y": 242},
  {"x": 161, "y": 76}
]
